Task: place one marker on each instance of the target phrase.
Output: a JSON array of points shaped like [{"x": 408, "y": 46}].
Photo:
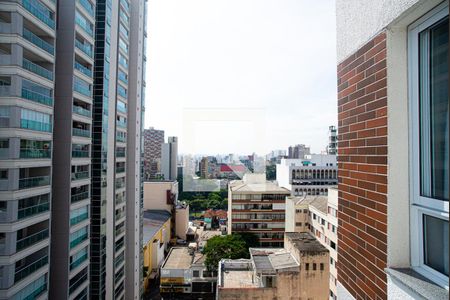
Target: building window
[
  {"x": 307, "y": 267},
  {"x": 429, "y": 121},
  {"x": 322, "y": 267},
  {"x": 298, "y": 224},
  {"x": 314, "y": 266},
  {"x": 3, "y": 174},
  {"x": 196, "y": 273}
]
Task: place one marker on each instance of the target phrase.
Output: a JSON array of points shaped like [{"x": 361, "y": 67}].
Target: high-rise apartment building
[
  {"x": 258, "y": 206},
  {"x": 169, "y": 158},
  {"x": 393, "y": 146},
  {"x": 298, "y": 151},
  {"x": 71, "y": 183},
  {"x": 310, "y": 176},
  {"x": 116, "y": 170},
  {"x": 153, "y": 139},
  {"x": 332, "y": 140},
  {"x": 27, "y": 62}
]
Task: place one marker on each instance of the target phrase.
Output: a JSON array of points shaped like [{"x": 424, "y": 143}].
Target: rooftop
[
  {"x": 267, "y": 186},
  {"x": 153, "y": 220},
  {"x": 269, "y": 260},
  {"x": 305, "y": 242},
  {"x": 318, "y": 202},
  {"x": 178, "y": 258},
  {"x": 237, "y": 273}
]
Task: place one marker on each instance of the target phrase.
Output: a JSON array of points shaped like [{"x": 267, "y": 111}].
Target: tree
[{"x": 219, "y": 247}]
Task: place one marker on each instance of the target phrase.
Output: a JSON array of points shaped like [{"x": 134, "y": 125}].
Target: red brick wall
[{"x": 362, "y": 157}]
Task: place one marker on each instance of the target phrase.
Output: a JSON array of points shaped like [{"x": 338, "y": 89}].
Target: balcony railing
[
  {"x": 30, "y": 182},
  {"x": 23, "y": 213},
  {"x": 81, "y": 111},
  {"x": 35, "y": 125},
  {"x": 121, "y": 124},
  {"x": 85, "y": 26},
  {"x": 120, "y": 153},
  {"x": 120, "y": 169},
  {"x": 80, "y": 153},
  {"x": 31, "y": 239},
  {"x": 36, "y": 97},
  {"x": 82, "y": 89},
  {"x": 83, "y": 69},
  {"x": 87, "y": 49},
  {"x": 31, "y": 7},
  {"x": 31, "y": 268},
  {"x": 78, "y": 240},
  {"x": 36, "y": 69},
  {"x": 79, "y": 282},
  {"x": 87, "y": 6},
  {"x": 120, "y": 216},
  {"x": 31, "y": 37},
  {"x": 122, "y": 139},
  {"x": 122, "y": 109},
  {"x": 81, "y": 132},
  {"x": 78, "y": 219},
  {"x": 34, "y": 153},
  {"x": 79, "y": 197},
  {"x": 78, "y": 261},
  {"x": 80, "y": 175}
]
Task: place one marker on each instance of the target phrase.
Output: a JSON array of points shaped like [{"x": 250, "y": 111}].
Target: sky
[{"x": 241, "y": 76}]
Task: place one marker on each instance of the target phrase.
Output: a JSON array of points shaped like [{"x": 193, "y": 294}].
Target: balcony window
[
  {"x": 78, "y": 237},
  {"x": 37, "y": 93},
  {"x": 122, "y": 91},
  {"x": 78, "y": 280},
  {"x": 78, "y": 258},
  {"x": 79, "y": 193},
  {"x": 40, "y": 11},
  {"x": 30, "y": 264},
  {"x": 428, "y": 50},
  {"x": 35, "y": 149},
  {"x": 32, "y": 206},
  {"x": 79, "y": 150},
  {"x": 85, "y": 24},
  {"x": 82, "y": 86},
  {"x": 121, "y": 106},
  {"x": 80, "y": 172},
  {"x": 32, "y": 290},
  {"x": 38, "y": 41},
  {"x": 79, "y": 215},
  {"x": 34, "y": 120}
]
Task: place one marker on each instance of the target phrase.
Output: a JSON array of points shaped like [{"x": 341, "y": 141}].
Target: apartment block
[
  {"x": 153, "y": 139},
  {"x": 300, "y": 270},
  {"x": 393, "y": 146},
  {"x": 27, "y": 65},
  {"x": 318, "y": 215},
  {"x": 258, "y": 206},
  {"x": 313, "y": 175},
  {"x": 298, "y": 151},
  {"x": 332, "y": 140},
  {"x": 169, "y": 159}
]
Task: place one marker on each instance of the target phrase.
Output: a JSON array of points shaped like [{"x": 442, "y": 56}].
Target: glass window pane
[
  {"x": 434, "y": 112},
  {"x": 435, "y": 243}
]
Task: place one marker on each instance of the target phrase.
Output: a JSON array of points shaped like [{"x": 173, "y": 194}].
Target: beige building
[
  {"x": 258, "y": 206},
  {"x": 318, "y": 215},
  {"x": 300, "y": 270}
]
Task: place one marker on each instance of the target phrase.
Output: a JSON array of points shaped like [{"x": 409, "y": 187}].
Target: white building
[
  {"x": 169, "y": 157},
  {"x": 310, "y": 176},
  {"x": 317, "y": 214}
]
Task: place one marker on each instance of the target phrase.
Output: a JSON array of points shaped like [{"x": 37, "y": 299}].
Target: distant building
[
  {"x": 258, "y": 206},
  {"x": 310, "y": 176},
  {"x": 229, "y": 171},
  {"x": 318, "y": 215},
  {"x": 298, "y": 151},
  {"x": 300, "y": 270},
  {"x": 153, "y": 139},
  {"x": 169, "y": 159},
  {"x": 209, "y": 168},
  {"x": 332, "y": 140}
]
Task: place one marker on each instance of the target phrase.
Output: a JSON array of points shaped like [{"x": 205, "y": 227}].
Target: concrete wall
[
  {"x": 358, "y": 21},
  {"x": 155, "y": 194},
  {"x": 247, "y": 294},
  {"x": 181, "y": 222}
]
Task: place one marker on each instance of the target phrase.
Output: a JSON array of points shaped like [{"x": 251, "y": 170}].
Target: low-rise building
[
  {"x": 313, "y": 175},
  {"x": 300, "y": 270},
  {"x": 155, "y": 241},
  {"x": 318, "y": 215},
  {"x": 257, "y": 206}
]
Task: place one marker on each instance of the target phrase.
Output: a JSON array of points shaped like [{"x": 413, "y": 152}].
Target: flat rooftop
[
  {"x": 152, "y": 221},
  {"x": 238, "y": 279},
  {"x": 269, "y": 260},
  {"x": 178, "y": 258},
  {"x": 266, "y": 187},
  {"x": 305, "y": 242}
]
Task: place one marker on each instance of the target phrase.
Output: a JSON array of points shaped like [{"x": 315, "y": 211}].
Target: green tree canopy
[{"x": 232, "y": 246}]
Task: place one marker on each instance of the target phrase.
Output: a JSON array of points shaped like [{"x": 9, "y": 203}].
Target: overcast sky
[{"x": 241, "y": 76}]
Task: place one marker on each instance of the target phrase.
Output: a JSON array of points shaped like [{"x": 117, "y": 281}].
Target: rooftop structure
[
  {"x": 153, "y": 220},
  {"x": 179, "y": 258}
]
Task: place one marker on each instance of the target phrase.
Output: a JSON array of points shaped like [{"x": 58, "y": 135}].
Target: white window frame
[{"x": 421, "y": 205}]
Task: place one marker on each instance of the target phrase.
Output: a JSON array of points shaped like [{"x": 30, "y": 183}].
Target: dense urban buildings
[
  {"x": 258, "y": 206},
  {"x": 393, "y": 145},
  {"x": 300, "y": 270},
  {"x": 64, "y": 240},
  {"x": 318, "y": 215},
  {"x": 153, "y": 139},
  {"x": 169, "y": 159},
  {"x": 27, "y": 63},
  {"x": 312, "y": 175},
  {"x": 298, "y": 151}
]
